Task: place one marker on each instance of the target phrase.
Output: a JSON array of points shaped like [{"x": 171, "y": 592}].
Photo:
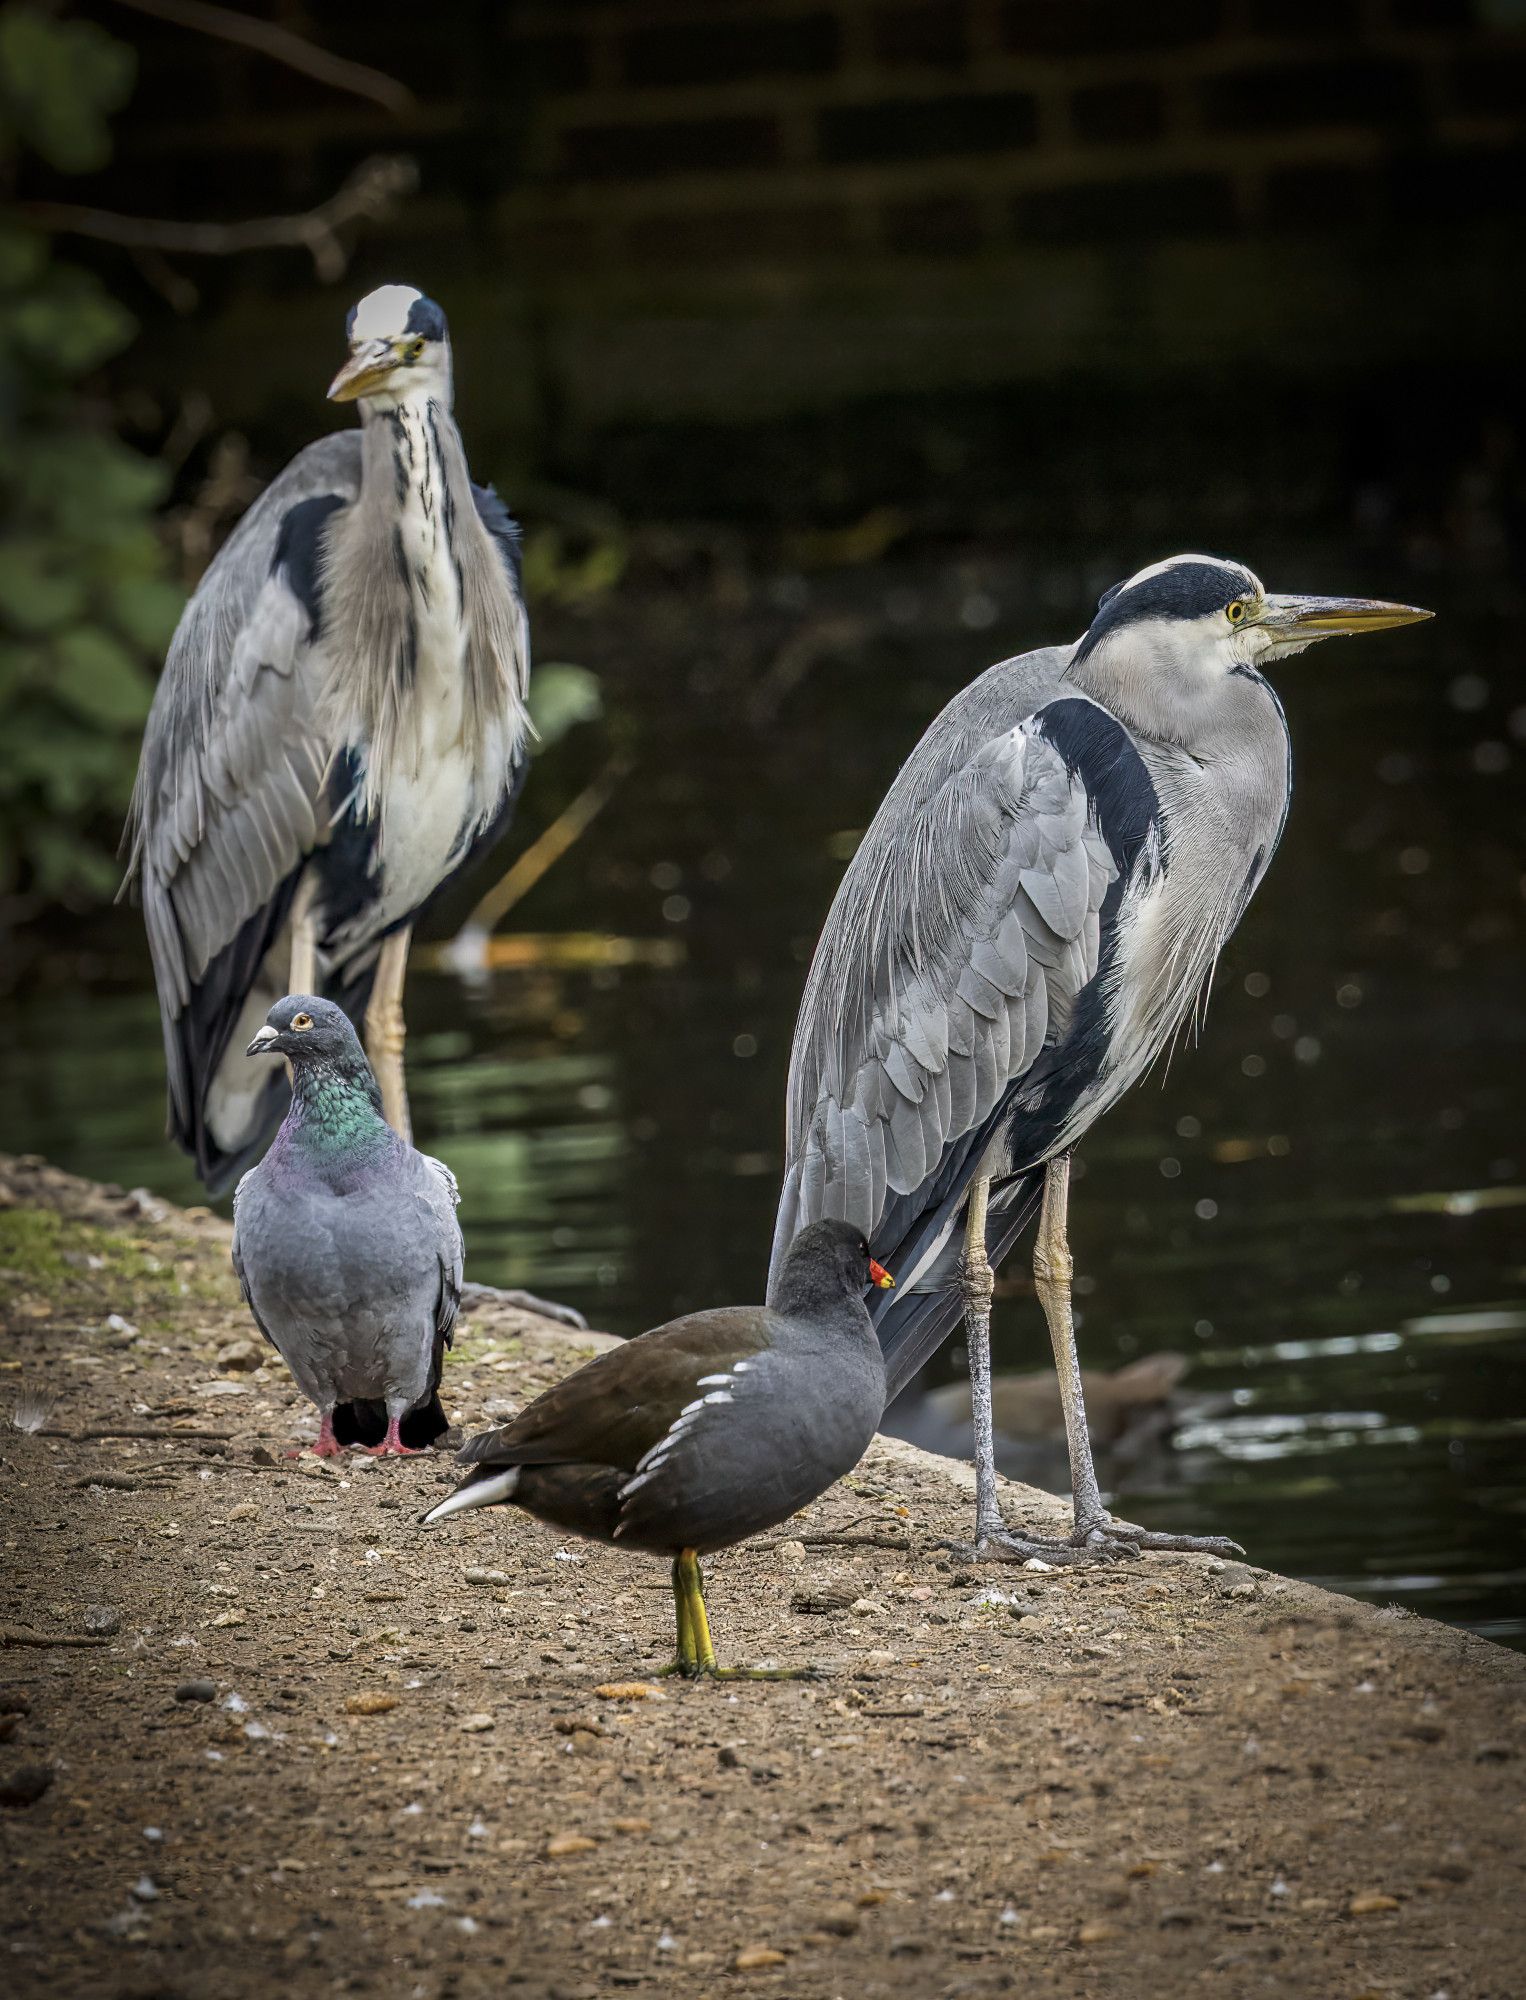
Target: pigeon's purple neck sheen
[{"x": 335, "y": 1123}]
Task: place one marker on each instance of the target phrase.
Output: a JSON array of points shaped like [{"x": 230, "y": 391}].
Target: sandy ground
[{"x": 261, "y": 1734}]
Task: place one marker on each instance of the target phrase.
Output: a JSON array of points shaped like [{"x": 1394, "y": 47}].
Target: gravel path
[{"x": 259, "y": 1734}]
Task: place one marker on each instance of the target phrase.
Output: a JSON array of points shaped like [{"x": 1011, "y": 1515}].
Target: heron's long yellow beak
[
  {"x": 1330, "y": 617},
  {"x": 368, "y": 369}
]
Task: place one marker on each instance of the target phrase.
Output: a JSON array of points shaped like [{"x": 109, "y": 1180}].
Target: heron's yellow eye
[
  {"x": 413, "y": 350},
  {"x": 301, "y": 1022},
  {"x": 1237, "y": 610}
]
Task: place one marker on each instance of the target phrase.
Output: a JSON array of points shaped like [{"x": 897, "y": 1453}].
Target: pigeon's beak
[{"x": 265, "y": 1043}]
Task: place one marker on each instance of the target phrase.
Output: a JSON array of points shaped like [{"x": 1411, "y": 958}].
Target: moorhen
[
  {"x": 346, "y": 1243},
  {"x": 704, "y": 1431}
]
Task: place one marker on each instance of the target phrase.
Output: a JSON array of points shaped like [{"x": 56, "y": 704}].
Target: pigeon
[
  {"x": 704, "y": 1431},
  {"x": 346, "y": 1244}
]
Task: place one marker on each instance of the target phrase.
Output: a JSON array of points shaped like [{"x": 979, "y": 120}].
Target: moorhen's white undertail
[{"x": 704, "y": 1431}]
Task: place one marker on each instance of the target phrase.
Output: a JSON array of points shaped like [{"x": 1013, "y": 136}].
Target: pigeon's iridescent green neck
[{"x": 336, "y": 1108}]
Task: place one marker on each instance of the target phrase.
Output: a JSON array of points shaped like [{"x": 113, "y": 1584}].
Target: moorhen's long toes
[{"x": 702, "y": 1432}]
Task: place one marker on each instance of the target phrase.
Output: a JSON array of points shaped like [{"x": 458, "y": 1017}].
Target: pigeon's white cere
[{"x": 383, "y": 313}]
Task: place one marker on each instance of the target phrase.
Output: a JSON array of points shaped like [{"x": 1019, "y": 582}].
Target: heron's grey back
[{"x": 961, "y": 933}]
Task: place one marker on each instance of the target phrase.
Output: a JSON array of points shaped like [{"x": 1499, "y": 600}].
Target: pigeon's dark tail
[
  {"x": 365, "y": 1420},
  {"x": 366, "y": 1423}
]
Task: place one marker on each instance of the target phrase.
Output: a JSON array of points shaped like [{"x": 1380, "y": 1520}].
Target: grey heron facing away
[
  {"x": 1034, "y": 912},
  {"x": 340, "y": 725}
]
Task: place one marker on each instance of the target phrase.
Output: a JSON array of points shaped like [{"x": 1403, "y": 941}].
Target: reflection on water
[{"x": 1322, "y": 1204}]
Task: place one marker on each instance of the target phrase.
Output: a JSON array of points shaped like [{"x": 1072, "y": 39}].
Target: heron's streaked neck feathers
[{"x": 410, "y": 556}]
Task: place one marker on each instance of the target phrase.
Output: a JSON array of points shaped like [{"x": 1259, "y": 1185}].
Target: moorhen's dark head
[
  {"x": 826, "y": 1262},
  {"x": 308, "y": 1030}
]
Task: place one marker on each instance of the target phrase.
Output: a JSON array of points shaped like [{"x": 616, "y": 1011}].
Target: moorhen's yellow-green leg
[
  {"x": 689, "y": 1590},
  {"x": 385, "y": 1029},
  {"x": 684, "y": 1661}
]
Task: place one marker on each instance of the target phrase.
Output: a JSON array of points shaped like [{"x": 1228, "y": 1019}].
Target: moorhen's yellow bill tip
[{"x": 881, "y": 1276}]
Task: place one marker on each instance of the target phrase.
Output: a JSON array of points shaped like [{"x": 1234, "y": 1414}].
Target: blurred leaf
[
  {"x": 59, "y": 80},
  {"x": 34, "y": 598},
  {"x": 71, "y": 327},
  {"x": 100, "y": 678},
  {"x": 146, "y": 609},
  {"x": 562, "y": 696}
]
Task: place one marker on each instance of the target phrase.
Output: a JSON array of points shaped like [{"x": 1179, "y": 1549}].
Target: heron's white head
[
  {"x": 1168, "y": 646},
  {"x": 399, "y": 351}
]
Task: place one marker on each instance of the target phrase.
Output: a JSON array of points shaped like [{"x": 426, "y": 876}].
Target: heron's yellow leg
[
  {"x": 386, "y": 1031},
  {"x": 303, "y": 971},
  {"x": 1053, "y": 1269}
]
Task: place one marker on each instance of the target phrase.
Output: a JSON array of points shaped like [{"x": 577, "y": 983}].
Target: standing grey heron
[
  {"x": 340, "y": 725},
  {"x": 1033, "y": 914}
]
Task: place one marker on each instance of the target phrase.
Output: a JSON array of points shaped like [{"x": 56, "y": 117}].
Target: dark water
[{"x": 1322, "y": 1204}]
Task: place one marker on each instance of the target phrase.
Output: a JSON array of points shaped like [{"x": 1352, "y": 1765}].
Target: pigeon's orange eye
[{"x": 301, "y": 1022}]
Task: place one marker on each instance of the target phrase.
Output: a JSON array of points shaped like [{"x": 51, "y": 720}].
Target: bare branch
[
  {"x": 370, "y": 191},
  {"x": 267, "y": 38}
]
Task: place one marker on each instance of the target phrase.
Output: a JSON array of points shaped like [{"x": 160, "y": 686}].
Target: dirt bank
[{"x": 417, "y": 1773}]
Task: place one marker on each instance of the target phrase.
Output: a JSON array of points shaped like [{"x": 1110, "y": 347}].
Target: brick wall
[{"x": 700, "y": 208}]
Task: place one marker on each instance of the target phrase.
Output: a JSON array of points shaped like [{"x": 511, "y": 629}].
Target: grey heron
[
  {"x": 1034, "y": 912},
  {"x": 340, "y": 725}
]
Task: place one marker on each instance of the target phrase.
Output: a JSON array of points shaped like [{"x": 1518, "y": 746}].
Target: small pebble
[
  {"x": 103, "y": 1619},
  {"x": 475, "y": 1725},
  {"x": 369, "y": 1704},
  {"x": 840, "y": 1919},
  {"x": 196, "y": 1691},
  {"x": 24, "y": 1785},
  {"x": 246, "y": 1510},
  {"x": 1372, "y": 1904},
  {"x": 477, "y": 1575},
  {"x": 1097, "y": 1931},
  {"x": 756, "y": 1957},
  {"x": 561, "y": 1844},
  {"x": 145, "y": 1890}
]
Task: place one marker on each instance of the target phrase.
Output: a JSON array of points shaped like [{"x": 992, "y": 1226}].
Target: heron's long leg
[
  {"x": 977, "y": 1283},
  {"x": 385, "y": 1029},
  {"x": 303, "y": 971},
  {"x": 1096, "y": 1529}
]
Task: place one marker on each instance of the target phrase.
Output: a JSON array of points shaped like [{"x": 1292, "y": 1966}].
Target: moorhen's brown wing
[{"x": 617, "y": 1407}]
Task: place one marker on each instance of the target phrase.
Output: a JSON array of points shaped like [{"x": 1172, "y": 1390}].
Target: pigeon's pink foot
[
  {"x": 392, "y": 1445},
  {"x": 327, "y": 1446}
]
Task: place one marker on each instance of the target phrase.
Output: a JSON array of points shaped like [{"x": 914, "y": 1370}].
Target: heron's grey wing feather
[
  {"x": 971, "y": 926},
  {"x": 231, "y": 745}
]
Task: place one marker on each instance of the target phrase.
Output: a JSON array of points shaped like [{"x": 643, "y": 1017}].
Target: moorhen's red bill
[{"x": 705, "y": 1431}]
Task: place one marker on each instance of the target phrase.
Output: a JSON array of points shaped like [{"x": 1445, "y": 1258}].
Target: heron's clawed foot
[
  {"x": 1105, "y": 1536},
  {"x": 494, "y": 1295},
  {"x": 996, "y": 1542}
]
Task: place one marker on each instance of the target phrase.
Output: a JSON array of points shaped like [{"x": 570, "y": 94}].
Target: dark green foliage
[{"x": 86, "y": 607}]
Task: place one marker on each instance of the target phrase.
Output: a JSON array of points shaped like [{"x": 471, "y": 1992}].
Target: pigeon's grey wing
[
  {"x": 952, "y": 958},
  {"x": 229, "y": 793},
  {"x": 239, "y": 1195},
  {"x": 441, "y": 1195}
]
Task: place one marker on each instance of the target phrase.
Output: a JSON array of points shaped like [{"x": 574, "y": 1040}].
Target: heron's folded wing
[
  {"x": 953, "y": 956},
  {"x": 230, "y": 783}
]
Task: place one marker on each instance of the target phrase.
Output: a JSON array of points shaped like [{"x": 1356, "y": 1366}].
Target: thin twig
[
  {"x": 170, "y": 1437},
  {"x": 267, "y": 38},
  {"x": 902, "y": 1542},
  {"x": 372, "y": 189},
  {"x": 547, "y": 849},
  {"x": 14, "y": 1635}
]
